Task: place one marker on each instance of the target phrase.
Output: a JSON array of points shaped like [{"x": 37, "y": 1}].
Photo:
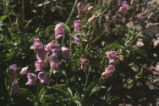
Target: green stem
[{"x": 73, "y": 8}]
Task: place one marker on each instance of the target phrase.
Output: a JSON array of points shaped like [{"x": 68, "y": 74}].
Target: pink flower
[
  {"x": 42, "y": 76},
  {"x": 124, "y": 8},
  {"x": 84, "y": 60},
  {"x": 32, "y": 78},
  {"x": 24, "y": 70},
  {"x": 108, "y": 71},
  {"x": 80, "y": 8},
  {"x": 15, "y": 87},
  {"x": 77, "y": 24},
  {"x": 40, "y": 55},
  {"x": 90, "y": 10},
  {"x": 13, "y": 67},
  {"x": 112, "y": 56},
  {"x": 91, "y": 20},
  {"x": 84, "y": 63},
  {"x": 39, "y": 65},
  {"x": 49, "y": 46},
  {"x": 54, "y": 64},
  {"x": 37, "y": 45},
  {"x": 65, "y": 52},
  {"x": 52, "y": 47},
  {"x": 59, "y": 30}
]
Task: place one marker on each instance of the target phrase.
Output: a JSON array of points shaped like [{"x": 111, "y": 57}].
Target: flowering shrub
[{"x": 90, "y": 57}]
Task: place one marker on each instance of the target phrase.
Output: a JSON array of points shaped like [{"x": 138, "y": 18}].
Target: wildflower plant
[{"x": 82, "y": 62}]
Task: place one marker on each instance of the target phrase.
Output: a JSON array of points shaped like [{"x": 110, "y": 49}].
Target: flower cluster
[
  {"x": 44, "y": 54},
  {"x": 112, "y": 56}
]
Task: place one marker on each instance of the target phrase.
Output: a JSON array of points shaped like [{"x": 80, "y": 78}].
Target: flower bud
[
  {"x": 59, "y": 30},
  {"x": 84, "y": 63},
  {"x": 91, "y": 20},
  {"x": 24, "y": 70},
  {"x": 80, "y": 8},
  {"x": 90, "y": 10},
  {"x": 13, "y": 67},
  {"x": 65, "y": 52},
  {"x": 108, "y": 71},
  {"x": 15, "y": 87}
]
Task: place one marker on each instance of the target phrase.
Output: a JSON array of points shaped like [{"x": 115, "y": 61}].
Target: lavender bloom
[
  {"x": 77, "y": 24},
  {"x": 54, "y": 64},
  {"x": 24, "y": 70},
  {"x": 124, "y": 8},
  {"x": 59, "y": 30},
  {"x": 40, "y": 55},
  {"x": 52, "y": 44},
  {"x": 32, "y": 78},
  {"x": 108, "y": 71},
  {"x": 52, "y": 47},
  {"x": 76, "y": 38},
  {"x": 37, "y": 45},
  {"x": 42, "y": 76},
  {"x": 84, "y": 63},
  {"x": 15, "y": 87},
  {"x": 112, "y": 56},
  {"x": 13, "y": 67},
  {"x": 65, "y": 52},
  {"x": 39, "y": 65}
]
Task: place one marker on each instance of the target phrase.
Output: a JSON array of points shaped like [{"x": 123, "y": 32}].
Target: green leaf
[
  {"x": 23, "y": 91},
  {"x": 2, "y": 18},
  {"x": 78, "y": 103},
  {"x": 112, "y": 46},
  {"x": 70, "y": 91},
  {"x": 42, "y": 93}
]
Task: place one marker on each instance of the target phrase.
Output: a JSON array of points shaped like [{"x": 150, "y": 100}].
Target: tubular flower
[
  {"x": 24, "y": 70},
  {"x": 112, "y": 56},
  {"x": 42, "y": 76},
  {"x": 32, "y": 78},
  {"x": 54, "y": 64},
  {"x": 15, "y": 87},
  {"x": 38, "y": 65},
  {"x": 108, "y": 71},
  {"x": 37, "y": 45},
  {"x": 84, "y": 63},
  {"x": 52, "y": 47},
  {"x": 40, "y": 56},
  {"x": 65, "y": 52},
  {"x": 77, "y": 24},
  {"x": 59, "y": 30},
  {"x": 13, "y": 67},
  {"x": 124, "y": 8}
]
